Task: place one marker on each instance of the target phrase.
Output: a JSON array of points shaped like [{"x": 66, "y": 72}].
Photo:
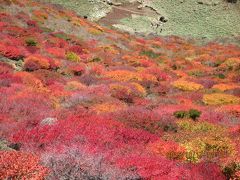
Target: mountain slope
[{"x": 81, "y": 101}]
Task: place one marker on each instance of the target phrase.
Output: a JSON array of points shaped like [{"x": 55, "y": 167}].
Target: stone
[{"x": 48, "y": 121}]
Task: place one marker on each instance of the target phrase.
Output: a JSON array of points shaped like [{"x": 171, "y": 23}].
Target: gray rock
[{"x": 48, "y": 121}]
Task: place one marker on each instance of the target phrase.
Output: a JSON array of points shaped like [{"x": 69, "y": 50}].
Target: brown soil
[{"x": 124, "y": 11}]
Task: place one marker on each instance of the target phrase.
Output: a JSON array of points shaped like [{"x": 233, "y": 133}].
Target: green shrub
[
  {"x": 97, "y": 59},
  {"x": 192, "y": 113},
  {"x": 71, "y": 56},
  {"x": 150, "y": 54},
  {"x": 231, "y": 169},
  {"x": 62, "y": 36},
  {"x": 31, "y": 42},
  {"x": 180, "y": 114},
  {"x": 221, "y": 76}
]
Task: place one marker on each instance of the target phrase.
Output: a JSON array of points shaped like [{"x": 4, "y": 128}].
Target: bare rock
[{"x": 48, "y": 121}]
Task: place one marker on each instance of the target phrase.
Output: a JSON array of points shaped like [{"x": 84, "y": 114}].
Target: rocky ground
[{"x": 205, "y": 19}]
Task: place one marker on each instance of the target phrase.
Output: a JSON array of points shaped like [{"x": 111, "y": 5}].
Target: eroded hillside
[{"x": 208, "y": 19}]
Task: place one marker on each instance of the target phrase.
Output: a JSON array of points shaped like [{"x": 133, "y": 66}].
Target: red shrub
[
  {"x": 12, "y": 41},
  {"x": 149, "y": 167},
  {"x": 26, "y": 107},
  {"x": 215, "y": 117},
  {"x": 76, "y": 49},
  {"x": 140, "y": 118},
  {"x": 20, "y": 165},
  {"x": 5, "y": 68},
  {"x": 2, "y": 25},
  {"x": 160, "y": 89},
  {"x": 158, "y": 73},
  {"x": 7, "y": 126},
  {"x": 32, "y": 49},
  {"x": 10, "y": 52},
  {"x": 54, "y": 64},
  {"x": 31, "y": 23},
  {"x": 204, "y": 171},
  {"x": 48, "y": 77},
  {"x": 102, "y": 134},
  {"x": 96, "y": 69},
  {"x": 15, "y": 31},
  {"x": 78, "y": 69},
  {"x": 7, "y": 79},
  {"x": 88, "y": 79},
  {"x": 79, "y": 163},
  {"x": 206, "y": 82},
  {"x": 56, "y": 52}
]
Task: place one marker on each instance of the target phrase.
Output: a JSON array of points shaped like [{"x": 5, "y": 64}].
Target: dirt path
[{"x": 124, "y": 11}]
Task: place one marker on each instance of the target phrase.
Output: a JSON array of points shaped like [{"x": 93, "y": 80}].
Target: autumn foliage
[
  {"x": 80, "y": 101},
  {"x": 20, "y": 165}
]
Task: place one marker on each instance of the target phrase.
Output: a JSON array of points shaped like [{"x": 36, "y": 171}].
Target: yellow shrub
[
  {"x": 203, "y": 140},
  {"x": 187, "y": 86},
  {"x": 231, "y": 64},
  {"x": 218, "y": 146},
  {"x": 194, "y": 150},
  {"x": 209, "y": 147},
  {"x": 71, "y": 56},
  {"x": 189, "y": 125},
  {"x": 110, "y": 50},
  {"x": 220, "y": 98},
  {"x": 94, "y": 31}
]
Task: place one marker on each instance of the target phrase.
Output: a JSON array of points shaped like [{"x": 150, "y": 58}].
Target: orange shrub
[
  {"x": 132, "y": 60},
  {"x": 35, "y": 62},
  {"x": 30, "y": 80},
  {"x": 225, "y": 87},
  {"x": 110, "y": 50},
  {"x": 78, "y": 21},
  {"x": 20, "y": 165},
  {"x": 123, "y": 75},
  {"x": 169, "y": 149},
  {"x": 137, "y": 60},
  {"x": 127, "y": 91},
  {"x": 40, "y": 16},
  {"x": 148, "y": 78},
  {"x": 139, "y": 89},
  {"x": 108, "y": 107},
  {"x": 75, "y": 85}
]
